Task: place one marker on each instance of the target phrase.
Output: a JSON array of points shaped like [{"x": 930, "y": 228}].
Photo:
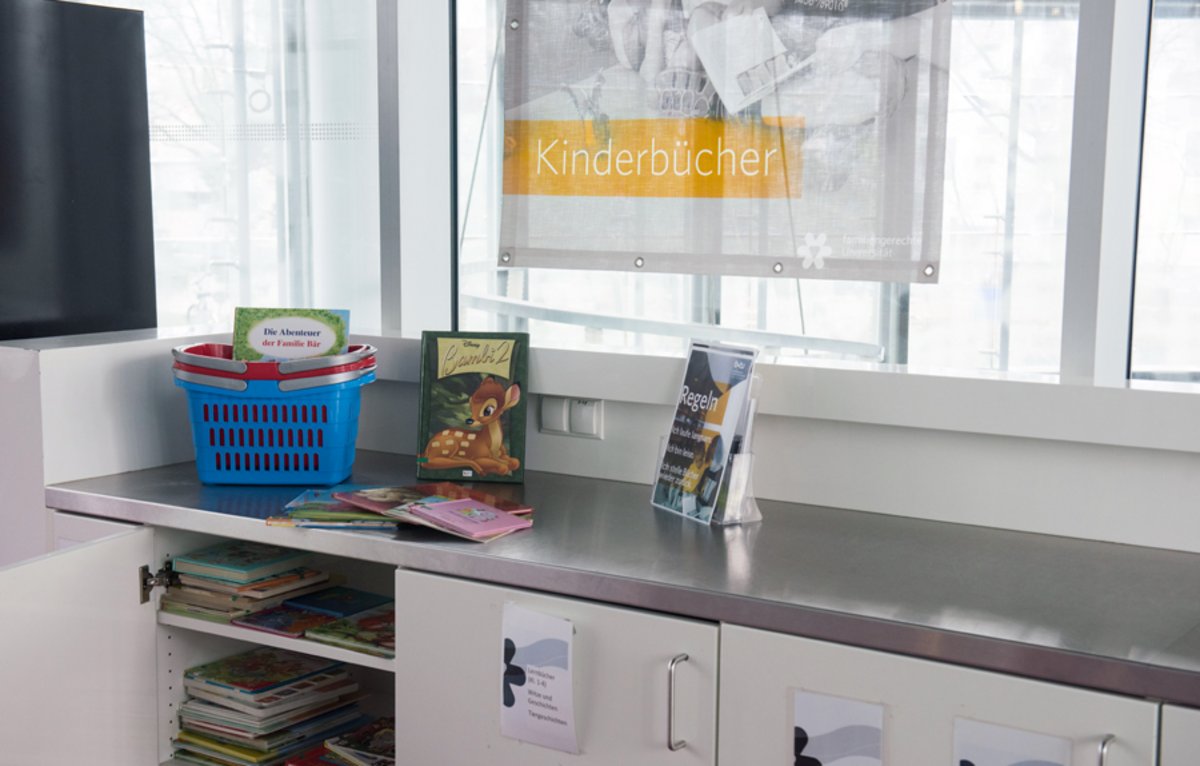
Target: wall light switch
[
  {"x": 587, "y": 418},
  {"x": 554, "y": 415}
]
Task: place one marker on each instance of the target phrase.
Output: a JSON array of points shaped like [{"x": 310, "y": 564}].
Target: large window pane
[
  {"x": 264, "y": 156},
  {"x": 1166, "y": 325},
  {"x": 999, "y": 302}
]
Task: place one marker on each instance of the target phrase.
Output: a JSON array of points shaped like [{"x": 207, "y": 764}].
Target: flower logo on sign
[
  {"x": 814, "y": 251},
  {"x": 513, "y": 674}
]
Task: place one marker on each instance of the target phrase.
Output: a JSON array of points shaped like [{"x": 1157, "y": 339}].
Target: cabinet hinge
[{"x": 147, "y": 582}]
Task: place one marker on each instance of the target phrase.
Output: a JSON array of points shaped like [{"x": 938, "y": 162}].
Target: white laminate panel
[
  {"x": 760, "y": 672},
  {"x": 1180, "y": 736},
  {"x": 21, "y": 457},
  {"x": 69, "y": 530},
  {"x": 448, "y": 682},
  {"x": 77, "y": 657}
]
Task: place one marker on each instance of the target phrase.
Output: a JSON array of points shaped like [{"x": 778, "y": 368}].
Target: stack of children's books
[
  {"x": 263, "y": 706},
  {"x": 333, "y": 612},
  {"x": 460, "y": 511},
  {"x": 371, "y": 632},
  {"x": 236, "y": 578},
  {"x": 319, "y": 509},
  {"x": 373, "y": 744}
]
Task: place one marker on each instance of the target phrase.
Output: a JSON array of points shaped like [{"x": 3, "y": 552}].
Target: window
[
  {"x": 998, "y": 305},
  {"x": 1166, "y": 321},
  {"x": 264, "y": 156}
]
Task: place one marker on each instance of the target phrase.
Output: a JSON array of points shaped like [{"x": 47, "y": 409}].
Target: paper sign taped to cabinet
[
  {"x": 829, "y": 729},
  {"x": 985, "y": 744},
  {"x": 537, "y": 668}
]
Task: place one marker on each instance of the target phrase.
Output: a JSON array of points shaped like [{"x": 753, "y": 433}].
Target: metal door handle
[
  {"x": 672, "y": 744},
  {"x": 1104, "y": 743}
]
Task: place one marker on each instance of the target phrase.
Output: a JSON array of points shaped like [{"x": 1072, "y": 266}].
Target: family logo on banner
[{"x": 793, "y": 138}]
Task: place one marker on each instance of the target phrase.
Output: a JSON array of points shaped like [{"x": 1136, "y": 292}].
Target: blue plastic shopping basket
[{"x": 274, "y": 431}]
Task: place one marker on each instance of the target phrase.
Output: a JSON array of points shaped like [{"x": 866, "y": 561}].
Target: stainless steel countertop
[{"x": 1112, "y": 617}]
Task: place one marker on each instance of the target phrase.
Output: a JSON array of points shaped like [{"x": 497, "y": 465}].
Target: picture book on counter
[
  {"x": 472, "y": 407},
  {"x": 263, "y": 334}
]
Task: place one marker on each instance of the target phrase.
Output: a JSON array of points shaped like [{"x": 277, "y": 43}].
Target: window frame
[{"x": 1092, "y": 401}]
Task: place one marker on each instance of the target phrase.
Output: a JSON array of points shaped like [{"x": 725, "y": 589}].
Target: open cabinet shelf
[
  {"x": 119, "y": 664},
  {"x": 259, "y": 637}
]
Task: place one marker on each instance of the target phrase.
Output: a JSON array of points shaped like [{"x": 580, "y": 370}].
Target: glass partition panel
[{"x": 1166, "y": 316}]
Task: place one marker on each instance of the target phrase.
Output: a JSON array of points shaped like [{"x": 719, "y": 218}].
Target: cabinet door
[
  {"x": 449, "y": 679},
  {"x": 922, "y": 708},
  {"x": 1180, "y": 736},
  {"x": 70, "y": 529},
  {"x": 77, "y": 657}
]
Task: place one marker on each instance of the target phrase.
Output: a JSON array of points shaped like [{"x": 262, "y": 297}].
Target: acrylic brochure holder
[{"x": 740, "y": 505}]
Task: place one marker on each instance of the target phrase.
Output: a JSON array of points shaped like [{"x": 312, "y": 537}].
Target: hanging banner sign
[{"x": 793, "y": 138}]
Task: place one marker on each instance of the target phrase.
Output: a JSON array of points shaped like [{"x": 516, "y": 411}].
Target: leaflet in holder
[{"x": 705, "y": 468}]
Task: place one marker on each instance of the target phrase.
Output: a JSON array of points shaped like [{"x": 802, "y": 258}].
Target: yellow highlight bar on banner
[{"x": 654, "y": 158}]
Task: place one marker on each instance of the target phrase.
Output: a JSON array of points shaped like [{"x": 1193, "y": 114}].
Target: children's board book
[
  {"x": 259, "y": 670},
  {"x": 284, "y": 621},
  {"x": 472, "y": 408},
  {"x": 225, "y": 752},
  {"x": 186, "y": 594},
  {"x": 380, "y": 500},
  {"x": 282, "y": 334},
  {"x": 372, "y": 632},
  {"x": 308, "y": 696},
  {"x": 385, "y": 500},
  {"x": 452, "y": 491},
  {"x": 239, "y": 561},
  {"x": 709, "y": 424},
  {"x": 318, "y": 756},
  {"x": 285, "y": 582},
  {"x": 470, "y": 518},
  {"x": 373, "y": 744},
  {"x": 321, "y": 726},
  {"x": 320, "y": 508},
  {"x": 338, "y": 601},
  {"x": 195, "y": 709},
  {"x": 314, "y": 498}
]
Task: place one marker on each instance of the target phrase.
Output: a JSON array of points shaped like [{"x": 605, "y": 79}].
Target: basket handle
[
  {"x": 211, "y": 362},
  {"x": 320, "y": 362},
  {"x": 300, "y": 384},
  {"x": 229, "y": 384},
  {"x": 294, "y": 384}
]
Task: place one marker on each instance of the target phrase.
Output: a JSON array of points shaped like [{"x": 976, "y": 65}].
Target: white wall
[
  {"x": 78, "y": 407},
  {"x": 1031, "y": 457},
  {"x": 111, "y": 407}
]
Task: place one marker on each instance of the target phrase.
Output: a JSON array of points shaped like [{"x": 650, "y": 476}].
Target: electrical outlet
[
  {"x": 587, "y": 418},
  {"x": 555, "y": 417}
]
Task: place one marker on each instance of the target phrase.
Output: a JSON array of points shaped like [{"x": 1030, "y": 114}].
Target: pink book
[{"x": 469, "y": 517}]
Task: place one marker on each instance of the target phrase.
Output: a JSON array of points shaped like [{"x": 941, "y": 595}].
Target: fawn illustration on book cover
[{"x": 472, "y": 417}]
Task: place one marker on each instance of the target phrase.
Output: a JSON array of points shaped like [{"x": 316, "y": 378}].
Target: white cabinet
[
  {"x": 449, "y": 684},
  {"x": 920, "y": 702},
  {"x": 91, "y": 675},
  {"x": 1180, "y": 736},
  {"x": 68, "y": 529},
  {"x": 77, "y": 657}
]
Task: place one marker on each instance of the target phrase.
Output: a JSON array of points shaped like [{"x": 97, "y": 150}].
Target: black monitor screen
[{"x": 76, "y": 235}]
